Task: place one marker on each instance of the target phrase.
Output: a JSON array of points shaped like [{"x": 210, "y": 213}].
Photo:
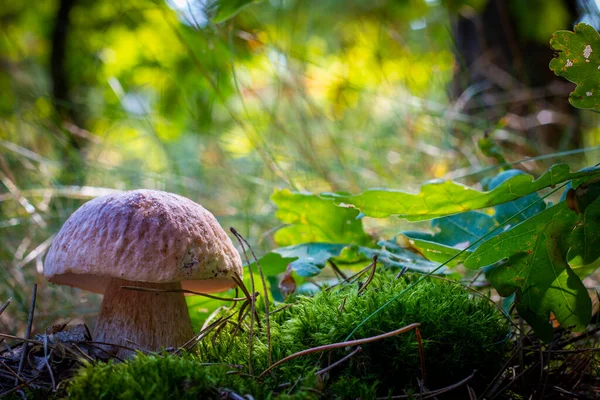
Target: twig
[
  {"x": 402, "y": 272},
  {"x": 193, "y": 341},
  {"x": 340, "y": 361},
  {"x": 108, "y": 344},
  {"x": 228, "y": 394},
  {"x": 570, "y": 394},
  {"x": 28, "y": 331},
  {"x": 477, "y": 275},
  {"x": 252, "y": 300},
  {"x": 574, "y": 339},
  {"x": 5, "y": 305},
  {"x": 434, "y": 393},
  {"x": 9, "y": 369},
  {"x": 46, "y": 356},
  {"x": 7, "y": 336},
  {"x": 266, "y": 290},
  {"x": 421, "y": 355},
  {"x": 341, "y": 306},
  {"x": 210, "y": 296},
  {"x": 337, "y": 270},
  {"x": 241, "y": 285},
  {"x": 83, "y": 353},
  {"x": 139, "y": 347},
  {"x": 281, "y": 308},
  {"x": 351, "y": 277},
  {"x": 102, "y": 349},
  {"x": 341, "y": 344},
  {"x": 21, "y": 386},
  {"x": 371, "y": 275},
  {"x": 515, "y": 379},
  {"x": 496, "y": 382}
]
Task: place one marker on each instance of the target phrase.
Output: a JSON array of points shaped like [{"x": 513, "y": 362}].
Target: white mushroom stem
[{"x": 144, "y": 320}]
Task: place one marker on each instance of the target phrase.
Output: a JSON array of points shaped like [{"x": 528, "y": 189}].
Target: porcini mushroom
[{"x": 149, "y": 239}]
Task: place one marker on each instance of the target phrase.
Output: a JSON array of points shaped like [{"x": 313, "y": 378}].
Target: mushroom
[{"x": 150, "y": 239}]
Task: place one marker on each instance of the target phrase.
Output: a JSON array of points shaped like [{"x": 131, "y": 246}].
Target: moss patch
[{"x": 461, "y": 332}]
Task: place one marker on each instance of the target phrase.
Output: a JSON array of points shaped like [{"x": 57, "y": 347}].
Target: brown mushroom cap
[{"x": 144, "y": 236}]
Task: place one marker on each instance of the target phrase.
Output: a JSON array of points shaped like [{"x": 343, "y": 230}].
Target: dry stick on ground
[
  {"x": 496, "y": 382},
  {"x": 515, "y": 379},
  {"x": 340, "y": 344},
  {"x": 281, "y": 308},
  {"x": 242, "y": 313},
  {"x": 337, "y": 270},
  {"x": 4, "y": 335},
  {"x": 46, "y": 357},
  {"x": 28, "y": 331},
  {"x": 475, "y": 278},
  {"x": 433, "y": 393},
  {"x": 351, "y": 278},
  {"x": 421, "y": 355},
  {"x": 242, "y": 240},
  {"x": 370, "y": 278},
  {"x": 264, "y": 283},
  {"x": 241, "y": 285},
  {"x": 338, "y": 362},
  {"x": 21, "y": 386},
  {"x": 12, "y": 372},
  {"x": 210, "y": 296},
  {"x": 5, "y": 305},
  {"x": 194, "y": 341}
]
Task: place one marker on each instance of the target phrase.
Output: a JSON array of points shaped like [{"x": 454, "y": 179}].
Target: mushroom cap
[{"x": 144, "y": 236}]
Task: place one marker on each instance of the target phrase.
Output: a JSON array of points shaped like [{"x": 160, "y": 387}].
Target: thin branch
[
  {"x": 340, "y": 361},
  {"x": 341, "y": 344},
  {"x": 9, "y": 369},
  {"x": 5, "y": 305},
  {"x": 371, "y": 275},
  {"x": 266, "y": 290},
  {"x": 434, "y": 393},
  {"x": 21, "y": 386},
  {"x": 421, "y": 355},
  {"x": 351, "y": 278},
  {"x": 210, "y": 296},
  {"x": 252, "y": 300},
  {"x": 28, "y": 331},
  {"x": 46, "y": 357},
  {"x": 336, "y": 269}
]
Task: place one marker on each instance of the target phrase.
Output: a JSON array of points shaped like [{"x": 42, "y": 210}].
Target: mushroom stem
[{"x": 145, "y": 320}]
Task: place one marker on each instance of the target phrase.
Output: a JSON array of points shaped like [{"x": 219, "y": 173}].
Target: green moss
[
  {"x": 461, "y": 332},
  {"x": 164, "y": 377}
]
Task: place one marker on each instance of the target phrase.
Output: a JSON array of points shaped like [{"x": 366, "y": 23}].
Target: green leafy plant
[
  {"x": 525, "y": 248},
  {"x": 578, "y": 60}
]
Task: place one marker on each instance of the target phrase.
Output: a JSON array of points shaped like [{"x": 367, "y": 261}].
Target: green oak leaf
[
  {"x": 585, "y": 238},
  {"x": 393, "y": 255},
  {"x": 313, "y": 219},
  {"x": 309, "y": 258},
  {"x": 456, "y": 232},
  {"x": 441, "y": 198},
  {"x": 536, "y": 269},
  {"x": 578, "y": 60},
  {"x": 433, "y": 251}
]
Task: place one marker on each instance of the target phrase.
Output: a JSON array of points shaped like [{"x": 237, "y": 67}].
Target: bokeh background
[{"x": 224, "y": 101}]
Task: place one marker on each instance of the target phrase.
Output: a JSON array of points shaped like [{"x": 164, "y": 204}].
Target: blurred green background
[{"x": 224, "y": 101}]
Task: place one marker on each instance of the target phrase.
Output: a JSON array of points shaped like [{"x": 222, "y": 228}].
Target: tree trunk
[{"x": 504, "y": 76}]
